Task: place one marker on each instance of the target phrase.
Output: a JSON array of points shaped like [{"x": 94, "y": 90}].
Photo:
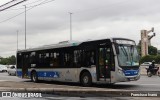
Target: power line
[
  {"x": 26, "y": 6},
  {"x": 11, "y": 17},
  {"x": 34, "y": 2},
  {"x": 47, "y": 1},
  {"x": 31, "y": 7},
  {"x": 7, "y": 5},
  {"x": 42, "y": 3}
]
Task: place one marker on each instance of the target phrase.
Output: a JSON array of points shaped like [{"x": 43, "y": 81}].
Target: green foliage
[
  {"x": 8, "y": 61},
  {"x": 158, "y": 51},
  {"x": 139, "y": 47},
  {"x": 152, "y": 50},
  {"x": 157, "y": 59},
  {"x": 150, "y": 58}
]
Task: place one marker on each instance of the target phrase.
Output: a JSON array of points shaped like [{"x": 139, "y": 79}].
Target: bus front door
[{"x": 104, "y": 56}]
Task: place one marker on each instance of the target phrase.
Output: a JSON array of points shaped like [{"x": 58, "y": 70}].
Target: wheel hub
[{"x": 85, "y": 79}]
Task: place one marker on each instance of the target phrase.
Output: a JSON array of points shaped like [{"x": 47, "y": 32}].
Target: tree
[
  {"x": 8, "y": 61},
  {"x": 152, "y": 50},
  {"x": 148, "y": 58}
]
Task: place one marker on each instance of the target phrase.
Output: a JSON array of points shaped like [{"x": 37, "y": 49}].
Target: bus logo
[{"x": 6, "y": 94}]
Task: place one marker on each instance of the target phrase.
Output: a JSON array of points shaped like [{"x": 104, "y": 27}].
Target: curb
[
  {"x": 79, "y": 92},
  {"x": 70, "y": 92},
  {"x": 55, "y": 90}
]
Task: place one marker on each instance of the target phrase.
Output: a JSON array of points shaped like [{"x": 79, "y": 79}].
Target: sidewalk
[{"x": 65, "y": 90}]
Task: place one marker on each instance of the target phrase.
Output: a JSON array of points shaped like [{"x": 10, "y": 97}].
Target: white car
[
  {"x": 146, "y": 64},
  {"x": 3, "y": 68},
  {"x": 11, "y": 70}
]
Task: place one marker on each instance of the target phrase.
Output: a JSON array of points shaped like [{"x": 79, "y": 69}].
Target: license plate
[{"x": 131, "y": 79}]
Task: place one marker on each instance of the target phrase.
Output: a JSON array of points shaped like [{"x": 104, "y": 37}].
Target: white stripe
[
  {"x": 148, "y": 84},
  {"x": 137, "y": 84},
  {"x": 3, "y": 80}
]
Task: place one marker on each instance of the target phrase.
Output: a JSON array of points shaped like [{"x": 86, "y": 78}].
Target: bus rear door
[{"x": 25, "y": 66}]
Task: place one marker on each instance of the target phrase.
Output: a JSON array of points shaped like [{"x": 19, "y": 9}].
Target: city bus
[{"x": 108, "y": 61}]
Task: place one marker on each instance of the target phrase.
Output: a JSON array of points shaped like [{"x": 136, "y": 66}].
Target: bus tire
[
  {"x": 86, "y": 79},
  {"x": 34, "y": 77}
]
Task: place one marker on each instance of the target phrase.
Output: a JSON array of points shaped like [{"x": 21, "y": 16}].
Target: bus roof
[
  {"x": 59, "y": 45},
  {"x": 65, "y": 44}
]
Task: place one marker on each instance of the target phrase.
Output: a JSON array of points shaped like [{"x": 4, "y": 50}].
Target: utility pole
[
  {"x": 17, "y": 39},
  {"x": 25, "y": 26},
  {"x": 70, "y": 26}
]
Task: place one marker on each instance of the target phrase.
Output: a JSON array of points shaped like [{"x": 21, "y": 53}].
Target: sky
[{"x": 48, "y": 22}]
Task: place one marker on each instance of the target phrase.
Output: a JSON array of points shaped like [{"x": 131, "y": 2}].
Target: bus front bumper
[{"x": 132, "y": 78}]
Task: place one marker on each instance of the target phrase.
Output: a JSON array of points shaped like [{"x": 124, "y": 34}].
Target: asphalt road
[{"x": 144, "y": 84}]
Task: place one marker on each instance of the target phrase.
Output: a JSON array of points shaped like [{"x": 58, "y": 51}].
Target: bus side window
[
  {"x": 41, "y": 60},
  {"x": 46, "y": 59},
  {"x": 89, "y": 58},
  {"x": 77, "y": 58},
  {"x": 68, "y": 59},
  {"x": 55, "y": 59},
  {"x": 92, "y": 58},
  {"x": 32, "y": 59}
]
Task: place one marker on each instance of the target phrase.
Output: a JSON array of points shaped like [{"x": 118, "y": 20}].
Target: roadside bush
[
  {"x": 148, "y": 58},
  {"x": 157, "y": 59}
]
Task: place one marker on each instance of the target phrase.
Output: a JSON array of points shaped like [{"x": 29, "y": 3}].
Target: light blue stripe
[{"x": 51, "y": 74}]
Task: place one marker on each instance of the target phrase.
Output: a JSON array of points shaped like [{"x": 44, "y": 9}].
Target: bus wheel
[
  {"x": 34, "y": 77},
  {"x": 86, "y": 79}
]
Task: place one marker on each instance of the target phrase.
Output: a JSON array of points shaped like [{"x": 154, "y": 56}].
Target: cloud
[{"x": 91, "y": 19}]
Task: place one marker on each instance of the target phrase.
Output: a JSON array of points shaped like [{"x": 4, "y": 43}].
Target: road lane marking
[
  {"x": 138, "y": 84},
  {"x": 148, "y": 84},
  {"x": 2, "y": 80}
]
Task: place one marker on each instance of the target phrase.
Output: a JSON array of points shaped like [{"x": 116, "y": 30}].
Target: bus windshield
[{"x": 128, "y": 55}]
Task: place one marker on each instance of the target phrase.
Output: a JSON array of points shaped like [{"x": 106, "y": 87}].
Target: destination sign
[{"x": 125, "y": 42}]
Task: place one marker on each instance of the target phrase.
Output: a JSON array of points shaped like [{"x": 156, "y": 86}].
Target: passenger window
[
  {"x": 68, "y": 59},
  {"x": 89, "y": 58},
  {"x": 77, "y": 58},
  {"x": 55, "y": 59}
]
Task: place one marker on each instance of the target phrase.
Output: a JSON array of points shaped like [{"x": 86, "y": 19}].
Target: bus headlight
[{"x": 120, "y": 71}]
